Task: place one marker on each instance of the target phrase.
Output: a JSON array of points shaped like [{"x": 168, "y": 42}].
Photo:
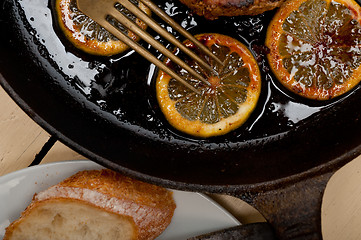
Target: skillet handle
[
  {"x": 253, "y": 231},
  {"x": 294, "y": 210}
]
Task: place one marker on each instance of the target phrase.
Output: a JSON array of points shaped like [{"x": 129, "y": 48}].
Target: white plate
[{"x": 195, "y": 213}]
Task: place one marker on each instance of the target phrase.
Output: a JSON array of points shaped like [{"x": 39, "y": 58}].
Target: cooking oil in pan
[{"x": 123, "y": 85}]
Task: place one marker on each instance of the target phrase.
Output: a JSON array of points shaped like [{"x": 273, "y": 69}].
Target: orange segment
[
  {"x": 87, "y": 35},
  {"x": 224, "y": 105},
  {"x": 315, "y": 47}
]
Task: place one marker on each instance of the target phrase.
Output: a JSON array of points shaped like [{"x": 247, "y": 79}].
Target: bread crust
[{"x": 151, "y": 207}]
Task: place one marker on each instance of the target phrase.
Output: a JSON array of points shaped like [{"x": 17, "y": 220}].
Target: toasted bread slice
[{"x": 96, "y": 204}]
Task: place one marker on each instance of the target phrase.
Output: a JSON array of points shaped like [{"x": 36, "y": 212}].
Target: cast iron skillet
[{"x": 104, "y": 108}]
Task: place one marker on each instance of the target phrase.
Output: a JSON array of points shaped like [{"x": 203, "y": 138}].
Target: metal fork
[{"x": 100, "y": 10}]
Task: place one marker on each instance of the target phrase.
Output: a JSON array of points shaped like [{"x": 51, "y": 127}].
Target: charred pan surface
[{"x": 212, "y": 9}]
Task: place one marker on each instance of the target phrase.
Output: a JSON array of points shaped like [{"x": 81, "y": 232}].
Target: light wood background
[{"x": 21, "y": 139}]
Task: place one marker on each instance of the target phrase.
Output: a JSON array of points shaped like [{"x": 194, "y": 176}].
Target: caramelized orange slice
[
  {"x": 89, "y": 36},
  {"x": 224, "y": 105},
  {"x": 315, "y": 47}
]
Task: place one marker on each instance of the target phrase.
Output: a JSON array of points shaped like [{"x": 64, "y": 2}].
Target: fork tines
[{"x": 99, "y": 10}]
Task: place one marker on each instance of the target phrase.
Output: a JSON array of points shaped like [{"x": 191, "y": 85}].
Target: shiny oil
[{"x": 123, "y": 85}]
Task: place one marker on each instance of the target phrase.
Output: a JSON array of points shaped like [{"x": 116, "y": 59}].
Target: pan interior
[{"x": 105, "y": 107}]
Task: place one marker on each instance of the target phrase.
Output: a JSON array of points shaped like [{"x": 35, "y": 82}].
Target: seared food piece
[
  {"x": 224, "y": 104},
  {"x": 213, "y": 9}
]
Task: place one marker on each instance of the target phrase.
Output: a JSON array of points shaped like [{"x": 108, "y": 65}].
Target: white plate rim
[{"x": 216, "y": 217}]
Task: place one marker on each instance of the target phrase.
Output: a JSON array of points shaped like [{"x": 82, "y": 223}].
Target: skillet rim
[
  {"x": 330, "y": 166},
  {"x": 324, "y": 167}
]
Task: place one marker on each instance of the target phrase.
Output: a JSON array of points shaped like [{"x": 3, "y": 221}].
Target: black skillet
[{"x": 105, "y": 108}]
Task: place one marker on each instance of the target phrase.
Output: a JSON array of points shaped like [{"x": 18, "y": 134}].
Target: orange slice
[
  {"x": 89, "y": 36},
  {"x": 315, "y": 47},
  {"x": 224, "y": 105}
]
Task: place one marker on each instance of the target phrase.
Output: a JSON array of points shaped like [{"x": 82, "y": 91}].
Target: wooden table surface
[{"x": 21, "y": 140}]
